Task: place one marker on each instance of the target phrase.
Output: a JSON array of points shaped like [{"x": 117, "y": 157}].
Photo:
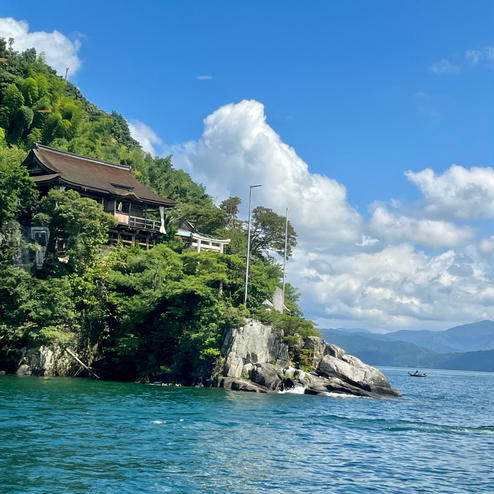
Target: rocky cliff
[{"x": 257, "y": 360}]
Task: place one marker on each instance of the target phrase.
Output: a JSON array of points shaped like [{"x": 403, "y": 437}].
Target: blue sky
[{"x": 361, "y": 91}]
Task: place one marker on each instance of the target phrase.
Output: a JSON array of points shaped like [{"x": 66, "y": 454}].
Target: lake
[{"x": 83, "y": 436}]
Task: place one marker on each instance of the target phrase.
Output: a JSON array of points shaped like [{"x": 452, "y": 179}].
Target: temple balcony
[{"x": 138, "y": 223}]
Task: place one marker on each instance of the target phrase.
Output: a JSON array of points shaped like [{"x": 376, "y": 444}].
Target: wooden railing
[
  {"x": 137, "y": 223},
  {"x": 143, "y": 223}
]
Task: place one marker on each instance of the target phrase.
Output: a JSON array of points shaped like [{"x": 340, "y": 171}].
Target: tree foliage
[
  {"x": 268, "y": 233},
  {"x": 17, "y": 191},
  {"x": 78, "y": 227},
  {"x": 17, "y": 196}
]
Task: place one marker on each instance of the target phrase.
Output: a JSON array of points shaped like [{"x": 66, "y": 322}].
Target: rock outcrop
[
  {"x": 44, "y": 361},
  {"x": 251, "y": 344},
  {"x": 256, "y": 360}
]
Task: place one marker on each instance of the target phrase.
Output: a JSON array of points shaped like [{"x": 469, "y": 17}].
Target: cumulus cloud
[
  {"x": 444, "y": 67},
  {"x": 352, "y": 272},
  {"x": 395, "y": 287},
  {"x": 396, "y": 228},
  {"x": 239, "y": 148},
  {"x": 459, "y": 192},
  {"x": 145, "y": 136},
  {"x": 60, "y": 52}
]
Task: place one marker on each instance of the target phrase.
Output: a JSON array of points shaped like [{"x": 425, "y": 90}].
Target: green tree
[
  {"x": 268, "y": 233},
  {"x": 18, "y": 195},
  {"x": 12, "y": 101},
  {"x": 63, "y": 121},
  {"x": 17, "y": 191},
  {"x": 30, "y": 90},
  {"x": 229, "y": 209},
  {"x": 20, "y": 124},
  {"x": 78, "y": 227},
  {"x": 34, "y": 311},
  {"x": 172, "y": 311}
]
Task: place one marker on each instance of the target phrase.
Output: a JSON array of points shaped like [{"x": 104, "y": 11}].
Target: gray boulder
[
  {"x": 319, "y": 348},
  {"x": 268, "y": 375},
  {"x": 236, "y": 384},
  {"x": 319, "y": 385},
  {"x": 352, "y": 371},
  {"x": 23, "y": 370}
]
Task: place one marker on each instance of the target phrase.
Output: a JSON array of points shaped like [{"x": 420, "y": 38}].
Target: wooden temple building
[{"x": 140, "y": 212}]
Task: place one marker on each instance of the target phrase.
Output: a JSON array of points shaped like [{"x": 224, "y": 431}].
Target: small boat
[{"x": 417, "y": 374}]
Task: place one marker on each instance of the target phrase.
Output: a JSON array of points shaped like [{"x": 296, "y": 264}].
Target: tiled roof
[{"x": 100, "y": 176}]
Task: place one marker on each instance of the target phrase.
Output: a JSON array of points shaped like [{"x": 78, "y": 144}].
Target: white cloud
[
  {"x": 486, "y": 245},
  {"x": 458, "y": 192},
  {"x": 145, "y": 136},
  {"x": 204, "y": 77},
  {"x": 397, "y": 228},
  {"x": 472, "y": 57},
  {"x": 367, "y": 241},
  {"x": 484, "y": 55},
  {"x": 60, "y": 52},
  {"x": 444, "y": 67},
  {"x": 396, "y": 287},
  {"x": 239, "y": 148}
]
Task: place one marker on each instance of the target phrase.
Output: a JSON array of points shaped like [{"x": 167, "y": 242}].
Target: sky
[{"x": 372, "y": 122}]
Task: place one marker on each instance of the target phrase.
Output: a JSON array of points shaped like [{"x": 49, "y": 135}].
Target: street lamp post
[
  {"x": 248, "y": 246},
  {"x": 284, "y": 261}
]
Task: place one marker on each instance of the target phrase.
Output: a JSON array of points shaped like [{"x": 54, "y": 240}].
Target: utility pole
[
  {"x": 66, "y": 72},
  {"x": 284, "y": 263},
  {"x": 248, "y": 246}
]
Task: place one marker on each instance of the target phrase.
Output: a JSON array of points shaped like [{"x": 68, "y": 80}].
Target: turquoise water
[{"x": 82, "y": 436}]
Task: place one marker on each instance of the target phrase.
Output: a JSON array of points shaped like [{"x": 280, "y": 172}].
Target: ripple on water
[{"x": 82, "y": 436}]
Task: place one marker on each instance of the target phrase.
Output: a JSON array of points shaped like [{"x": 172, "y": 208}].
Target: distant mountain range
[{"x": 466, "y": 347}]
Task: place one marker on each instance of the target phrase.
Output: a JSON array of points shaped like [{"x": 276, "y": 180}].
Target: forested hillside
[
  {"x": 130, "y": 312},
  {"x": 39, "y": 106}
]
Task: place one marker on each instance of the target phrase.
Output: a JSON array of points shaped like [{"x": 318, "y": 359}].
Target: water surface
[{"x": 83, "y": 436}]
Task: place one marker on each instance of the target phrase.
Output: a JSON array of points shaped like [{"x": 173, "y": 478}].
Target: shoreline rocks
[{"x": 256, "y": 359}]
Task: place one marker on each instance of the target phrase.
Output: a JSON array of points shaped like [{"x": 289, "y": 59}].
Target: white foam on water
[
  {"x": 157, "y": 422},
  {"x": 181, "y": 420},
  {"x": 339, "y": 395},
  {"x": 297, "y": 390}
]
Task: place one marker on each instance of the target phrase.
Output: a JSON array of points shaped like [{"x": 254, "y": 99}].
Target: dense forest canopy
[{"x": 138, "y": 313}]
